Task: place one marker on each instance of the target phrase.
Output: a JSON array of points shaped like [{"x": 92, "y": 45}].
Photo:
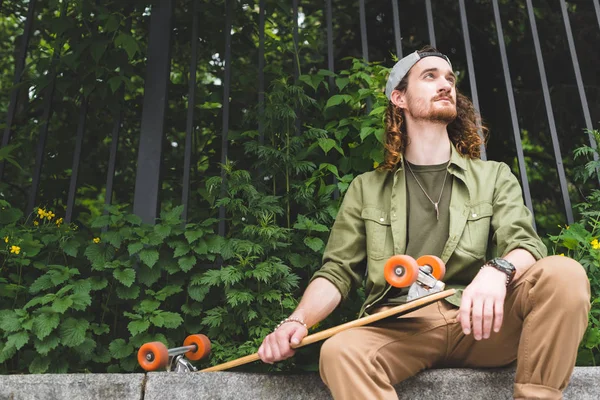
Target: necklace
[{"x": 435, "y": 204}]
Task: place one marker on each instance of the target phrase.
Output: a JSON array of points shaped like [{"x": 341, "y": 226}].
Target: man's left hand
[{"x": 482, "y": 305}]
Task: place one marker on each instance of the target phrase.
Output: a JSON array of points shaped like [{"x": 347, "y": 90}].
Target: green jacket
[{"x": 487, "y": 219}]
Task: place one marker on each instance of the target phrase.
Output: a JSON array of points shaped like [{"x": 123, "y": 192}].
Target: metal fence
[{"x": 147, "y": 181}]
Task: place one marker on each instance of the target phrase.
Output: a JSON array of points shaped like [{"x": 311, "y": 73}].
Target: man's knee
[{"x": 564, "y": 280}]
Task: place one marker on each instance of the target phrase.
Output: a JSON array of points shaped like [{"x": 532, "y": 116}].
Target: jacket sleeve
[
  {"x": 345, "y": 253},
  {"x": 511, "y": 221}
]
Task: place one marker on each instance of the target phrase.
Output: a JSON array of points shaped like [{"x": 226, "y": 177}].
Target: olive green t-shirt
[{"x": 426, "y": 234}]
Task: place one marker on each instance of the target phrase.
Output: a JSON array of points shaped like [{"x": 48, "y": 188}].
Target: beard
[{"x": 420, "y": 110}]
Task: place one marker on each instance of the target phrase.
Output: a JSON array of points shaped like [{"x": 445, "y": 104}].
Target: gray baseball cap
[{"x": 402, "y": 67}]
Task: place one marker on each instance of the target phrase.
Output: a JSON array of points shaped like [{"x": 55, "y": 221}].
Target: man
[{"x": 433, "y": 195}]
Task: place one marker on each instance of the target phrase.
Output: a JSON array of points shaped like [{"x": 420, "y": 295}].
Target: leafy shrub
[{"x": 580, "y": 241}]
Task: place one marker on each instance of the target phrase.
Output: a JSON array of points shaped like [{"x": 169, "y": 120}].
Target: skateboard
[{"x": 422, "y": 277}]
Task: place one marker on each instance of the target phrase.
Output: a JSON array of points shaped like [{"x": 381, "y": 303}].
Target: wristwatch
[{"x": 505, "y": 266}]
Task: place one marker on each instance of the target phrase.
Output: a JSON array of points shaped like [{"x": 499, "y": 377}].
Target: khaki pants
[{"x": 546, "y": 314}]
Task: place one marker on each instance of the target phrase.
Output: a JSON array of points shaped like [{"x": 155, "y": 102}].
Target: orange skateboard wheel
[
  {"x": 438, "y": 268},
  {"x": 401, "y": 271},
  {"x": 202, "y": 347},
  {"x": 152, "y": 356}
]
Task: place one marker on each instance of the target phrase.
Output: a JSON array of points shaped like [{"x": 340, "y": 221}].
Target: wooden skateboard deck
[{"x": 316, "y": 337}]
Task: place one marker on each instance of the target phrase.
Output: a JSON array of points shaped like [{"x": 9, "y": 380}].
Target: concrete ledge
[
  {"x": 441, "y": 384},
  {"x": 72, "y": 387}
]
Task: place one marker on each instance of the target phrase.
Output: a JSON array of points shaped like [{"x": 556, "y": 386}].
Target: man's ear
[{"x": 398, "y": 98}]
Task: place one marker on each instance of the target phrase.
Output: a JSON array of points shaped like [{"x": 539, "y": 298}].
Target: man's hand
[
  {"x": 277, "y": 346},
  {"x": 482, "y": 304}
]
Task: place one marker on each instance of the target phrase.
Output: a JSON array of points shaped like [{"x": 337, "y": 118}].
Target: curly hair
[{"x": 463, "y": 131}]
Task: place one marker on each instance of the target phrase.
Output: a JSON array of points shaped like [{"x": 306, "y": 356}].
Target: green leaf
[
  {"x": 187, "y": 263},
  {"x": 97, "y": 49},
  {"x": 148, "y": 276},
  {"x": 115, "y": 82},
  {"x": 171, "y": 320},
  {"x": 133, "y": 219},
  {"x": 81, "y": 301},
  {"x": 139, "y": 326},
  {"x": 172, "y": 216},
  {"x": 314, "y": 243},
  {"x": 149, "y": 305},
  {"x": 198, "y": 293},
  {"x": 47, "y": 344},
  {"x": 17, "y": 340},
  {"x": 42, "y": 283},
  {"x": 120, "y": 349},
  {"x": 162, "y": 230},
  {"x": 193, "y": 235},
  {"x": 181, "y": 250},
  {"x": 10, "y": 215},
  {"x": 128, "y": 43},
  {"x": 72, "y": 331},
  {"x": 112, "y": 237},
  {"x": 341, "y": 83},
  {"x": 334, "y": 100},
  {"x": 326, "y": 144},
  {"x": 128, "y": 293},
  {"x": 133, "y": 248},
  {"x": 126, "y": 276},
  {"x": 9, "y": 321},
  {"x": 61, "y": 304},
  {"x": 70, "y": 247},
  {"x": 39, "y": 365},
  {"x": 149, "y": 257},
  {"x": 44, "y": 324}
]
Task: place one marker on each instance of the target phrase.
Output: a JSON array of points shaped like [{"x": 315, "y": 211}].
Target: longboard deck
[{"x": 316, "y": 337}]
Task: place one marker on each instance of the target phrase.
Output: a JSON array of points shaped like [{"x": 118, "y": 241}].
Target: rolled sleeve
[
  {"x": 512, "y": 221},
  {"x": 345, "y": 253}
]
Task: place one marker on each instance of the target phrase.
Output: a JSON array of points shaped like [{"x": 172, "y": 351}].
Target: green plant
[{"x": 580, "y": 242}]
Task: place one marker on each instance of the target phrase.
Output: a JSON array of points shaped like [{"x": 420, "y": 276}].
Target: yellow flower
[
  {"x": 562, "y": 254},
  {"x": 59, "y": 222},
  {"x": 15, "y": 249},
  {"x": 595, "y": 244},
  {"x": 50, "y": 215},
  {"x": 36, "y": 223},
  {"x": 41, "y": 213},
  {"x": 6, "y": 239},
  {"x": 96, "y": 240}
]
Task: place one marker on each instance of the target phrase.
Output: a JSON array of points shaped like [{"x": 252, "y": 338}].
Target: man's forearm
[
  {"x": 521, "y": 259},
  {"x": 320, "y": 298}
]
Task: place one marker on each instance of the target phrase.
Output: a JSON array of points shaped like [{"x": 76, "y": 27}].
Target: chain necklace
[{"x": 435, "y": 204}]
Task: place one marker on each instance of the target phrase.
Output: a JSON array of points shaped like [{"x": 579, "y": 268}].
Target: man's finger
[
  {"x": 488, "y": 317},
  {"x": 498, "y": 315},
  {"x": 465, "y": 314},
  {"x": 477, "y": 318}
]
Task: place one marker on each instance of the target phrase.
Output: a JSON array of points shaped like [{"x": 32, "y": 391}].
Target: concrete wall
[{"x": 442, "y": 384}]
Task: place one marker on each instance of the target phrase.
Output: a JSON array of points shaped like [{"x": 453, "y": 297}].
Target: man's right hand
[{"x": 277, "y": 346}]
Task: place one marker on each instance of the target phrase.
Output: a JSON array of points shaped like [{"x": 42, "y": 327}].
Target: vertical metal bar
[
  {"x": 430, "y": 22},
  {"x": 580, "y": 87},
  {"x": 513, "y": 109},
  {"x": 363, "y": 31},
  {"x": 19, "y": 66},
  {"x": 76, "y": 159},
  {"x": 330, "y": 65},
  {"x": 295, "y": 39},
  {"x": 557, "y": 155},
  {"x": 41, "y": 147},
  {"x": 261, "y": 72},
  {"x": 597, "y": 8},
  {"x": 470, "y": 66},
  {"x": 363, "y": 40},
  {"x": 189, "y": 130},
  {"x": 226, "y": 88},
  {"x": 147, "y": 180},
  {"x": 397, "y": 35},
  {"x": 114, "y": 146}
]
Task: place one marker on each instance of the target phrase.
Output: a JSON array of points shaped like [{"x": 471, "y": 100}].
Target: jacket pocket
[
  {"x": 475, "y": 238},
  {"x": 377, "y": 228}
]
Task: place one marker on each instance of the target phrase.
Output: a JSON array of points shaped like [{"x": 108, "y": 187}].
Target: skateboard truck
[
  {"x": 422, "y": 275},
  {"x": 155, "y": 355}
]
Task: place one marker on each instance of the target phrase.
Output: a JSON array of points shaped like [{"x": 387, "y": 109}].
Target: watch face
[{"x": 504, "y": 264}]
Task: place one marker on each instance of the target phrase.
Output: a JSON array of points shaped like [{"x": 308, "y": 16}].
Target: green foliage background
[{"x": 70, "y": 304}]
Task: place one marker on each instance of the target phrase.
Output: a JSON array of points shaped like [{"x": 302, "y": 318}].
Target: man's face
[{"x": 431, "y": 91}]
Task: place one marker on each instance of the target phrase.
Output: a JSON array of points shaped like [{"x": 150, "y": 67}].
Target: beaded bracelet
[{"x": 290, "y": 319}]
